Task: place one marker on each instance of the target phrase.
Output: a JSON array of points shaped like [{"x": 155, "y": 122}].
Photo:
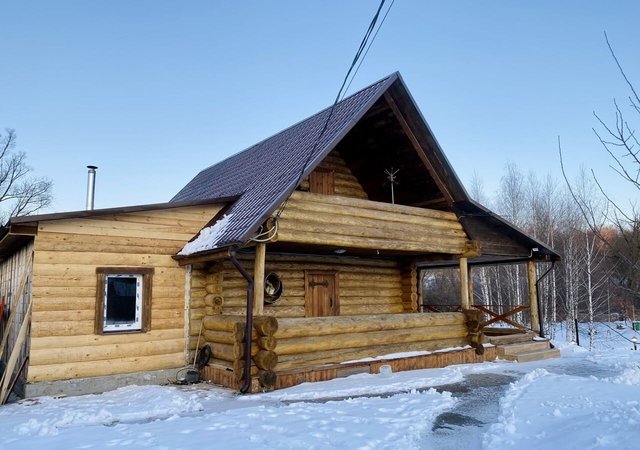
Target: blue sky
[{"x": 154, "y": 91}]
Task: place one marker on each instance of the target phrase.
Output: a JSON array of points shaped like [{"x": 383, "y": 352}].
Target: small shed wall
[
  {"x": 14, "y": 272},
  {"x": 64, "y": 344}
]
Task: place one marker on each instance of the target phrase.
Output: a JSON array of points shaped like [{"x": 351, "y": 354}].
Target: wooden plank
[
  {"x": 104, "y": 259},
  {"x": 65, "y": 371},
  {"x": 40, "y": 357},
  {"x": 53, "y": 342},
  {"x": 107, "y": 230}
]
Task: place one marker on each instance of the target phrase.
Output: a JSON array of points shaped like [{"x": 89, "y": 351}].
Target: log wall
[
  {"x": 289, "y": 347},
  {"x": 15, "y": 292},
  {"x": 67, "y": 253},
  {"x": 326, "y": 340},
  {"x": 365, "y": 286},
  {"x": 344, "y": 182},
  {"x": 355, "y": 223}
]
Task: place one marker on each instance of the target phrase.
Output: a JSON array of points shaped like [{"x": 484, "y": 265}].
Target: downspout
[
  {"x": 553, "y": 263},
  {"x": 248, "y": 328}
]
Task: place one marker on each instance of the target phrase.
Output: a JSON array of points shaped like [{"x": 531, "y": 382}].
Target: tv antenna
[{"x": 392, "y": 179}]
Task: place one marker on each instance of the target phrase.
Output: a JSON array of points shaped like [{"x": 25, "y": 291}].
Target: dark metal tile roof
[{"x": 264, "y": 175}]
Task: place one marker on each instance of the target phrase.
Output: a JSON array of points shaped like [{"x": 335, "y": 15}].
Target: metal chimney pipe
[{"x": 91, "y": 186}]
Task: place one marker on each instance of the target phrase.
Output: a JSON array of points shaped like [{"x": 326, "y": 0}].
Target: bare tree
[{"x": 20, "y": 193}]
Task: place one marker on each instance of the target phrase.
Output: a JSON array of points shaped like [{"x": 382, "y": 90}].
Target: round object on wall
[{"x": 272, "y": 288}]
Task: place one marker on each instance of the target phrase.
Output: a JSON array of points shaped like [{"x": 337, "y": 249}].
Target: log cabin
[{"x": 297, "y": 259}]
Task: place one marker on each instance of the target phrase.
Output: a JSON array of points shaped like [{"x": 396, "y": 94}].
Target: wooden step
[
  {"x": 510, "y": 338},
  {"x": 522, "y": 347},
  {"x": 535, "y": 355}
]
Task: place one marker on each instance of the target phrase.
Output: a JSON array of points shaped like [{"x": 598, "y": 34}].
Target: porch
[{"x": 288, "y": 351}]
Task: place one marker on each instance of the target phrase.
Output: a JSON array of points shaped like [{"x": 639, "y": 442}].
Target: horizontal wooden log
[
  {"x": 378, "y": 292},
  {"x": 105, "y": 259},
  {"x": 265, "y": 325},
  {"x": 55, "y": 342},
  {"x": 415, "y": 233},
  {"x": 222, "y": 322},
  {"x": 370, "y": 300},
  {"x": 377, "y": 206},
  {"x": 337, "y": 356},
  {"x": 226, "y": 352},
  {"x": 369, "y": 339},
  {"x": 69, "y": 315},
  {"x": 66, "y": 371},
  {"x": 322, "y": 326},
  {"x": 265, "y": 359},
  {"x": 284, "y": 311},
  {"x": 325, "y": 259},
  {"x": 221, "y": 337},
  {"x": 293, "y": 235},
  {"x": 102, "y": 353},
  {"x": 266, "y": 342},
  {"x": 388, "y": 308},
  {"x": 346, "y": 215}
]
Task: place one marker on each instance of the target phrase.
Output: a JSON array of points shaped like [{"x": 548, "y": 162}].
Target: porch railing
[{"x": 494, "y": 313}]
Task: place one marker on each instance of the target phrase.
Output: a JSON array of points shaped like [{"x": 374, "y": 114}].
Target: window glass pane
[{"x": 122, "y": 302}]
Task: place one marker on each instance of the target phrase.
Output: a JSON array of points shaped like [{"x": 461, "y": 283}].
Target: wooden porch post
[
  {"x": 258, "y": 279},
  {"x": 533, "y": 296},
  {"x": 470, "y": 277},
  {"x": 464, "y": 284}
]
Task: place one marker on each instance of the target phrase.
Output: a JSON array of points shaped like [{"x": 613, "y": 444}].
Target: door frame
[{"x": 335, "y": 308}]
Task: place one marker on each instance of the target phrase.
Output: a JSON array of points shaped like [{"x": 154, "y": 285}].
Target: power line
[
  {"x": 370, "y": 44},
  {"x": 357, "y": 59}
]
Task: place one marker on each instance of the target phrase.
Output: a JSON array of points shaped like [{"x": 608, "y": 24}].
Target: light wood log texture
[
  {"x": 370, "y": 309},
  {"x": 291, "y": 233},
  {"x": 533, "y": 296},
  {"x": 265, "y": 325},
  {"x": 106, "y": 352},
  {"x": 223, "y": 337},
  {"x": 359, "y": 279},
  {"x": 464, "y": 284},
  {"x": 369, "y": 339},
  {"x": 258, "y": 278},
  {"x": 56, "y": 342},
  {"x": 297, "y": 196},
  {"x": 68, "y": 251},
  {"x": 357, "y": 226},
  {"x": 266, "y": 342},
  {"x": 336, "y": 356},
  {"x": 222, "y": 322},
  {"x": 323, "y": 326},
  {"x": 265, "y": 359},
  {"x": 70, "y": 370},
  {"x": 345, "y": 183}
]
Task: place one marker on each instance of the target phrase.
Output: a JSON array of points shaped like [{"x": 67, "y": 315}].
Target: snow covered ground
[{"x": 583, "y": 400}]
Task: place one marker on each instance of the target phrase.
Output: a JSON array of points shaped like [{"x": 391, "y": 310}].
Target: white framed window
[{"x": 123, "y": 300}]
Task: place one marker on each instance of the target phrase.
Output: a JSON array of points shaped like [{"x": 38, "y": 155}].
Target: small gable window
[{"x": 123, "y": 299}]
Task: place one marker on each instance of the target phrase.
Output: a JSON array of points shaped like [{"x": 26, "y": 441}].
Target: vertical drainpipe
[
  {"x": 91, "y": 186},
  {"x": 248, "y": 329}
]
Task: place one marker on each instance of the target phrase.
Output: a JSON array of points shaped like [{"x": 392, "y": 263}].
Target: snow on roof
[{"x": 208, "y": 238}]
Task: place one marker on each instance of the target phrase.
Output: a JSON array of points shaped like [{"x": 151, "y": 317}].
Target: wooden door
[
  {"x": 321, "y": 182},
  {"x": 321, "y": 294}
]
